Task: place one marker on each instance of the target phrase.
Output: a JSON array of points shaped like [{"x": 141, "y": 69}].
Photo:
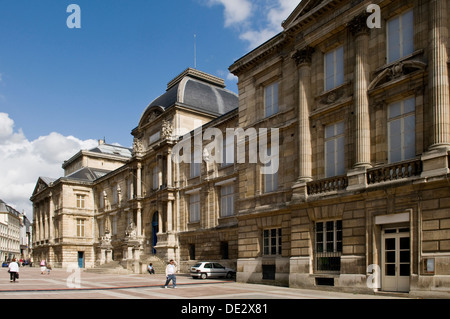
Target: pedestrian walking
[
  {"x": 49, "y": 267},
  {"x": 13, "y": 270},
  {"x": 171, "y": 269},
  {"x": 43, "y": 265}
]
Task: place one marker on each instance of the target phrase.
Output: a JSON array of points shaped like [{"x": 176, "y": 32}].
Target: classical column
[
  {"x": 169, "y": 216},
  {"x": 160, "y": 170},
  {"x": 139, "y": 181},
  {"x": 303, "y": 60},
  {"x": 139, "y": 222},
  {"x": 36, "y": 222},
  {"x": 50, "y": 217},
  {"x": 439, "y": 83},
  {"x": 169, "y": 169},
  {"x": 41, "y": 220},
  {"x": 358, "y": 26}
]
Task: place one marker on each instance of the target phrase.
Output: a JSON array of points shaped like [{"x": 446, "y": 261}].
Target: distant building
[
  {"x": 25, "y": 238},
  {"x": 63, "y": 208},
  {"x": 10, "y": 229}
]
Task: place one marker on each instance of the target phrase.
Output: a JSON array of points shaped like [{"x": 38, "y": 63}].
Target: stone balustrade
[
  {"x": 335, "y": 183},
  {"x": 394, "y": 172}
]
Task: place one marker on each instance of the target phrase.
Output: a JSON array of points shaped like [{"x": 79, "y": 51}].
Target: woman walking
[
  {"x": 13, "y": 270},
  {"x": 43, "y": 265}
]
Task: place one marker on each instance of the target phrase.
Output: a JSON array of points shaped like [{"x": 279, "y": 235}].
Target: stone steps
[
  {"x": 158, "y": 264},
  {"x": 113, "y": 267}
]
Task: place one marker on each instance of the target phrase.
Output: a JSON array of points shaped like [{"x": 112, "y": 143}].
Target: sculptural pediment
[
  {"x": 153, "y": 115},
  {"x": 397, "y": 71}
]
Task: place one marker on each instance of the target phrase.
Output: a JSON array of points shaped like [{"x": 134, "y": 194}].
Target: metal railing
[{"x": 328, "y": 262}]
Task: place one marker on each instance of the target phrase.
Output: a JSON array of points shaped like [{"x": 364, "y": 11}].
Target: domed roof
[{"x": 197, "y": 90}]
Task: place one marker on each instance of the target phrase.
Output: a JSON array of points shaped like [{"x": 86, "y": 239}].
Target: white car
[{"x": 211, "y": 269}]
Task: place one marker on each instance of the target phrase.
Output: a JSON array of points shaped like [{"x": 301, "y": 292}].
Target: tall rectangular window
[
  {"x": 80, "y": 227},
  {"x": 194, "y": 207},
  {"x": 196, "y": 162},
  {"x": 130, "y": 189},
  {"x": 334, "y": 68},
  {"x": 228, "y": 144},
  {"x": 400, "y": 35},
  {"x": 402, "y": 130},
  {"x": 155, "y": 174},
  {"x": 114, "y": 225},
  {"x": 272, "y": 241},
  {"x": 334, "y": 150},
  {"x": 227, "y": 200},
  {"x": 115, "y": 196},
  {"x": 271, "y": 180},
  {"x": 328, "y": 245},
  {"x": 80, "y": 201},
  {"x": 271, "y": 99}
]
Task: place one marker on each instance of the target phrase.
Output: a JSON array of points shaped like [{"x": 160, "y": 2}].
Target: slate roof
[
  {"x": 197, "y": 90},
  {"x": 88, "y": 174},
  {"x": 112, "y": 150},
  {"x": 6, "y": 208}
]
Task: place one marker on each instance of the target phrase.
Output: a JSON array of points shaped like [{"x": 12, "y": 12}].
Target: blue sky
[{"x": 62, "y": 89}]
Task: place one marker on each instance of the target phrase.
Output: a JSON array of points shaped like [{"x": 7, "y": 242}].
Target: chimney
[{"x": 101, "y": 142}]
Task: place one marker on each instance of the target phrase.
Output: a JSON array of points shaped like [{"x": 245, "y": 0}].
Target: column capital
[
  {"x": 358, "y": 25},
  {"x": 303, "y": 56}
]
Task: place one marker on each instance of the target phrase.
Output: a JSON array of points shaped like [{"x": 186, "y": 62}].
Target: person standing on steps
[
  {"x": 150, "y": 269},
  {"x": 171, "y": 269}
]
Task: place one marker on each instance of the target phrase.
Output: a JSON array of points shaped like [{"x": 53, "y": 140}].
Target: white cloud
[
  {"x": 23, "y": 161},
  {"x": 236, "y": 11},
  {"x": 258, "y": 21},
  {"x": 232, "y": 77}
]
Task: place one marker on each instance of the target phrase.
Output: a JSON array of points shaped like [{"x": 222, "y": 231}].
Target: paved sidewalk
[{"x": 61, "y": 284}]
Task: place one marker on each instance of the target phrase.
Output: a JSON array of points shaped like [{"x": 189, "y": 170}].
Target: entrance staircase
[
  {"x": 159, "y": 265},
  {"x": 121, "y": 268},
  {"x": 113, "y": 267}
]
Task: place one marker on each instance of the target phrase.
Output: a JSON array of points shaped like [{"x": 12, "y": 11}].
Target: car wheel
[
  {"x": 229, "y": 275},
  {"x": 204, "y": 276}
]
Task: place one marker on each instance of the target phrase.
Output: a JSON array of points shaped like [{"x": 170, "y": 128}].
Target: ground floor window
[
  {"x": 328, "y": 247},
  {"x": 272, "y": 241}
]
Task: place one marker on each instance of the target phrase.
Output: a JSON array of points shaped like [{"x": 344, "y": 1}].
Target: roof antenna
[{"x": 195, "y": 51}]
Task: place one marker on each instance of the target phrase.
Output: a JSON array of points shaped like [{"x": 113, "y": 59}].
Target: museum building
[{"x": 361, "y": 197}]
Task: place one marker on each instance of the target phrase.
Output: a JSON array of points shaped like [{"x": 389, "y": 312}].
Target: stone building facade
[
  {"x": 63, "y": 208},
  {"x": 131, "y": 205},
  {"x": 364, "y": 121},
  {"x": 360, "y": 197},
  {"x": 11, "y": 224}
]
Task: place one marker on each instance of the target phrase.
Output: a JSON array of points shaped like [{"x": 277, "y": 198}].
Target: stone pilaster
[{"x": 439, "y": 83}]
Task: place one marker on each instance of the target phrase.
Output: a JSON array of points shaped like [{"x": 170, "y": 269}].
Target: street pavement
[{"x": 63, "y": 284}]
